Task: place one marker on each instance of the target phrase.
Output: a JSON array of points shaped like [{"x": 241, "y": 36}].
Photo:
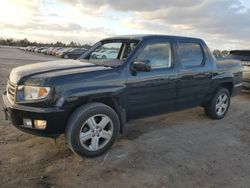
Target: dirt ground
[{"x": 181, "y": 149}]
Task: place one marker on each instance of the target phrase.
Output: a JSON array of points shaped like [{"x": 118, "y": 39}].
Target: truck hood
[{"x": 52, "y": 67}]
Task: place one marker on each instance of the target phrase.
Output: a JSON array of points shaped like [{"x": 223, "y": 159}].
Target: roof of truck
[{"x": 146, "y": 36}]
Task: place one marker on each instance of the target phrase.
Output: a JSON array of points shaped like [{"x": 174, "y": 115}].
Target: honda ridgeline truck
[{"x": 90, "y": 99}]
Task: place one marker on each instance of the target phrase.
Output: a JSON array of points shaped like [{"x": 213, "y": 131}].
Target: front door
[{"x": 154, "y": 92}]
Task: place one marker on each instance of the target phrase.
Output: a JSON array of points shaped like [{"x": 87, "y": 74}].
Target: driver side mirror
[{"x": 141, "y": 66}]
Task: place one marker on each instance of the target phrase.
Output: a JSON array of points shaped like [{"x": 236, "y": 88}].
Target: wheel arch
[
  {"x": 111, "y": 101},
  {"x": 116, "y": 105},
  {"x": 228, "y": 86}
]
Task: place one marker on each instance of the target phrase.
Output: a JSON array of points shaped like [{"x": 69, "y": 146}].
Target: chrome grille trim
[{"x": 11, "y": 91}]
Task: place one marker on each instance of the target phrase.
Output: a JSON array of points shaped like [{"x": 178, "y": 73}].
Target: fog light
[
  {"x": 40, "y": 124},
  {"x": 27, "y": 123}
]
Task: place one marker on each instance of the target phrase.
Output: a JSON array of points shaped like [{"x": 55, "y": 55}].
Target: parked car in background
[
  {"x": 74, "y": 53},
  {"x": 44, "y": 50},
  {"x": 32, "y": 48},
  {"x": 38, "y": 49},
  {"x": 28, "y": 48},
  {"x": 48, "y": 51},
  {"x": 97, "y": 53},
  {"x": 62, "y": 51},
  {"x": 105, "y": 54},
  {"x": 244, "y": 57},
  {"x": 90, "y": 100},
  {"x": 53, "y": 52}
]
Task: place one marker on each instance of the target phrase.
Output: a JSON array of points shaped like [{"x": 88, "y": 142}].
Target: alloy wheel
[
  {"x": 96, "y": 132},
  {"x": 222, "y": 104}
]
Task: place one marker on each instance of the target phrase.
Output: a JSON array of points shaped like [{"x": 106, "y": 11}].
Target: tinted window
[
  {"x": 159, "y": 55},
  {"x": 190, "y": 54}
]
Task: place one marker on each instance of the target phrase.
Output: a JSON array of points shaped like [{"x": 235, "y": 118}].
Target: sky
[{"x": 223, "y": 24}]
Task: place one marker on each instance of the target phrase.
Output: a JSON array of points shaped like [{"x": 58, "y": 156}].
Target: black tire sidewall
[{"x": 76, "y": 122}]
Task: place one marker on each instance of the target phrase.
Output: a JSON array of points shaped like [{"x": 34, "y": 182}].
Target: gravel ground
[{"x": 181, "y": 149}]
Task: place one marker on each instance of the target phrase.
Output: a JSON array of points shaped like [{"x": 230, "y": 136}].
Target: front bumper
[{"x": 56, "y": 118}]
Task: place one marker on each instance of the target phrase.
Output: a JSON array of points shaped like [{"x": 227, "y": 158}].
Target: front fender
[
  {"x": 93, "y": 92},
  {"x": 79, "y": 95},
  {"x": 113, "y": 95}
]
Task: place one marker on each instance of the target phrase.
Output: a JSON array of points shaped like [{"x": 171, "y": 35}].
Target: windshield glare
[{"x": 110, "y": 51}]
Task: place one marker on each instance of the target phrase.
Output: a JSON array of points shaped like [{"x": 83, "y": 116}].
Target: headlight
[{"x": 27, "y": 93}]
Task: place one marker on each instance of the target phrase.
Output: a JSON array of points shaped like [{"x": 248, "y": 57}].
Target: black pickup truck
[{"x": 91, "y": 99}]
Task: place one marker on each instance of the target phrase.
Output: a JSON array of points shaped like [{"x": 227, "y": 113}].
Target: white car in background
[{"x": 105, "y": 54}]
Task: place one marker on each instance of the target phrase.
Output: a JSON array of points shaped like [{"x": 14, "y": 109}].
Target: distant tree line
[
  {"x": 220, "y": 53},
  {"x": 25, "y": 42}
]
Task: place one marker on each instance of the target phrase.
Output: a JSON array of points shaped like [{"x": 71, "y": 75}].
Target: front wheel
[
  {"x": 92, "y": 129},
  {"x": 218, "y": 106}
]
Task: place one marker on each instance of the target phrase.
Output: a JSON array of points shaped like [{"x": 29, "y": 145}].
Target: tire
[
  {"x": 81, "y": 125},
  {"x": 104, "y": 57},
  {"x": 65, "y": 56},
  {"x": 218, "y": 106}
]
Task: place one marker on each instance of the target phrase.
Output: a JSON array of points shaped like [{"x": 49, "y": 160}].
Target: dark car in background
[
  {"x": 73, "y": 53},
  {"x": 244, "y": 57}
]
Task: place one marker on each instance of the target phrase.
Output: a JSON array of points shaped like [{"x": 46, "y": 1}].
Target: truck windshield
[{"x": 110, "y": 52}]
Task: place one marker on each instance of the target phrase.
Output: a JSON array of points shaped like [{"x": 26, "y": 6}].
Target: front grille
[{"x": 11, "y": 91}]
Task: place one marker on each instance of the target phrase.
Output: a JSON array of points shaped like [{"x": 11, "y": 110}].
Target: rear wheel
[
  {"x": 92, "y": 129},
  {"x": 218, "y": 106}
]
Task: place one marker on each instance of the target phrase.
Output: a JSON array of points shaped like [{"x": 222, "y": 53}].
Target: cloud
[
  {"x": 55, "y": 32},
  {"x": 21, "y": 19},
  {"x": 132, "y": 5},
  {"x": 227, "y": 19},
  {"x": 223, "y": 24},
  {"x": 44, "y": 27}
]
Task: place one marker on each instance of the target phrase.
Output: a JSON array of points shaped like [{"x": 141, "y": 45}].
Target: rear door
[{"x": 195, "y": 73}]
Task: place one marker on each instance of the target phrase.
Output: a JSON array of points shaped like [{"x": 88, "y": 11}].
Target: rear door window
[{"x": 191, "y": 54}]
